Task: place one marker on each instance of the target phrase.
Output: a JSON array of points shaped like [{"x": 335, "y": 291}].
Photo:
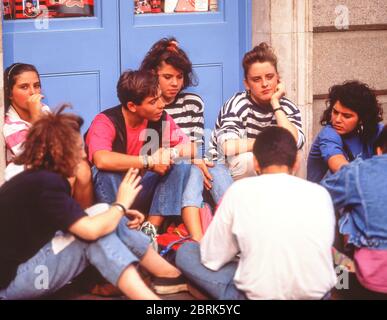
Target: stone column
[{"x": 287, "y": 25}]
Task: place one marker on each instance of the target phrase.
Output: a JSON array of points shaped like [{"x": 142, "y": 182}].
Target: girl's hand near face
[
  {"x": 278, "y": 93},
  {"x": 34, "y": 104}
]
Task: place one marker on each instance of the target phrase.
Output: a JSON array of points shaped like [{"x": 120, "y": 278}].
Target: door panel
[{"x": 78, "y": 58}]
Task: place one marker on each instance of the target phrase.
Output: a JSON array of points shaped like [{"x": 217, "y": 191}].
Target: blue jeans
[
  {"x": 193, "y": 192},
  {"x": 111, "y": 255},
  {"x": 160, "y": 195},
  {"x": 217, "y": 284}
]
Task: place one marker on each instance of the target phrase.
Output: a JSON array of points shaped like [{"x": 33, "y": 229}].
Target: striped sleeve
[
  {"x": 294, "y": 116},
  {"x": 15, "y": 134},
  {"x": 231, "y": 120},
  {"x": 188, "y": 114}
]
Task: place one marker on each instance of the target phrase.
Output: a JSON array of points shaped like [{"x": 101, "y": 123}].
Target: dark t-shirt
[{"x": 33, "y": 206}]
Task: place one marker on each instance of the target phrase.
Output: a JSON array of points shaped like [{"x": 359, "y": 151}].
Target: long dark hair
[
  {"x": 10, "y": 75},
  {"x": 358, "y": 97},
  {"x": 167, "y": 50}
]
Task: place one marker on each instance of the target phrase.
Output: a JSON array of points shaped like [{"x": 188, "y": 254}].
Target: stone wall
[
  {"x": 349, "y": 42},
  {"x": 287, "y": 25},
  {"x": 320, "y": 43}
]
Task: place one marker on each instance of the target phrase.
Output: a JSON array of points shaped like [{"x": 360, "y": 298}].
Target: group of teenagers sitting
[{"x": 71, "y": 201}]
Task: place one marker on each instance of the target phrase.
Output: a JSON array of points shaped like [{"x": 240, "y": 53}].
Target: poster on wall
[
  {"x": 29, "y": 9},
  {"x": 7, "y": 9}
]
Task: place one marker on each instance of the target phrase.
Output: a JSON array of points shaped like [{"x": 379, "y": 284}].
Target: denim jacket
[{"x": 359, "y": 191}]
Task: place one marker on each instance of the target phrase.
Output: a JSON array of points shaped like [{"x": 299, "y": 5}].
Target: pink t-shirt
[
  {"x": 371, "y": 269},
  {"x": 102, "y": 134}
]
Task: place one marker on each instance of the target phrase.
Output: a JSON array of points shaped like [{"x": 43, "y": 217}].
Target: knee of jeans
[
  {"x": 106, "y": 185},
  {"x": 195, "y": 176},
  {"x": 186, "y": 252},
  {"x": 131, "y": 235},
  {"x": 242, "y": 165},
  {"x": 183, "y": 169}
]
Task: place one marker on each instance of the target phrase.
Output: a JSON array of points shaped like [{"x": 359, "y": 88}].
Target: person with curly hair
[
  {"x": 23, "y": 107},
  {"x": 36, "y": 205},
  {"x": 351, "y": 124},
  {"x": 174, "y": 70}
]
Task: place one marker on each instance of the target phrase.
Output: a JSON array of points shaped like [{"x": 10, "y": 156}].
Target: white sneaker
[{"x": 150, "y": 230}]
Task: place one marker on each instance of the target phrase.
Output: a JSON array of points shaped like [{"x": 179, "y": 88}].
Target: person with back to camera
[
  {"x": 359, "y": 191},
  {"x": 264, "y": 242},
  {"x": 104, "y": 236}
]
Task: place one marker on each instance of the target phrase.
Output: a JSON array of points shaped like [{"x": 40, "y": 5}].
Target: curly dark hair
[
  {"x": 10, "y": 75},
  {"x": 260, "y": 53},
  {"x": 167, "y": 50},
  {"x": 358, "y": 97},
  {"x": 52, "y": 143}
]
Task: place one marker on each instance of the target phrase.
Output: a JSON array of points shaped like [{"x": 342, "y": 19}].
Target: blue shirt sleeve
[{"x": 330, "y": 144}]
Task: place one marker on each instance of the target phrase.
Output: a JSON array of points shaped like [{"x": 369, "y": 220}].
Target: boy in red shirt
[{"x": 138, "y": 133}]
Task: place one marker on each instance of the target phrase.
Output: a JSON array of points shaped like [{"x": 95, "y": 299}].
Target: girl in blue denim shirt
[
  {"x": 351, "y": 125},
  {"x": 359, "y": 191}
]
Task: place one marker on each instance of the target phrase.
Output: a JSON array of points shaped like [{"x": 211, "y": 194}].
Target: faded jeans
[
  {"x": 160, "y": 195},
  {"x": 193, "y": 192},
  {"x": 48, "y": 270},
  {"x": 217, "y": 284}
]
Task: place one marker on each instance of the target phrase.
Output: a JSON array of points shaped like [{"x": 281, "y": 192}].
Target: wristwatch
[{"x": 277, "y": 109}]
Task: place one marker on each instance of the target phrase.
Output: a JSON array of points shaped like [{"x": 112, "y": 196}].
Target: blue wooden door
[
  {"x": 214, "y": 41},
  {"x": 78, "y": 58}
]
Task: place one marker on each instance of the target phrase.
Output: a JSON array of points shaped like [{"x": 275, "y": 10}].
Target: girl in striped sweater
[{"x": 174, "y": 69}]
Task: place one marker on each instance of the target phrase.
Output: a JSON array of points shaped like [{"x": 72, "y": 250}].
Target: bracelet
[
  {"x": 119, "y": 206},
  {"x": 277, "y": 109},
  {"x": 145, "y": 162}
]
